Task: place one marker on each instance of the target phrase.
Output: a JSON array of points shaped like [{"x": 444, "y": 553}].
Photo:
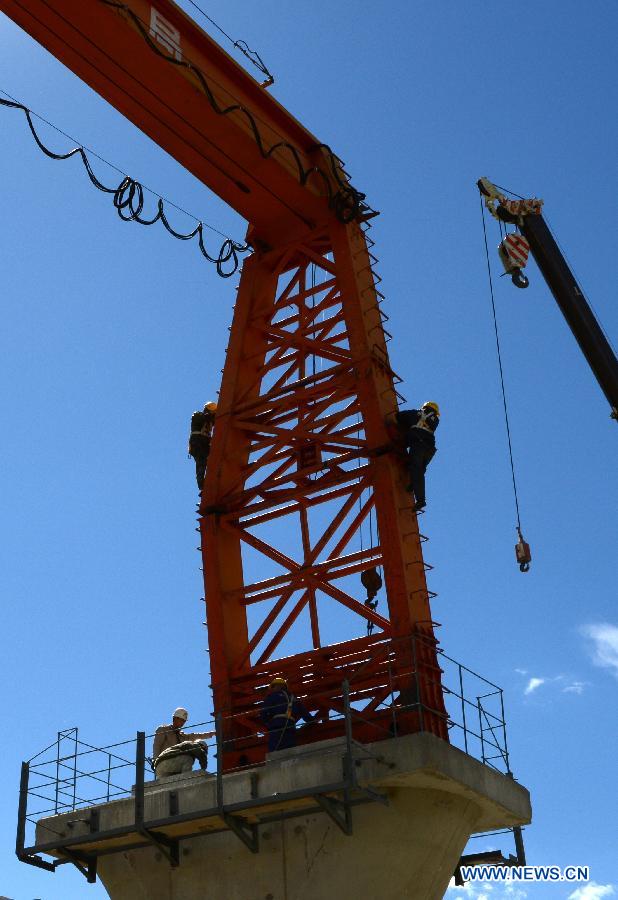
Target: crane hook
[
  {"x": 519, "y": 279},
  {"x": 513, "y": 251},
  {"x": 372, "y": 582},
  {"x": 522, "y": 553}
]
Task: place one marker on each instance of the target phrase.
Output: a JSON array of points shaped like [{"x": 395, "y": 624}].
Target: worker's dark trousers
[
  {"x": 200, "y": 470},
  {"x": 281, "y": 738},
  {"x": 199, "y": 448},
  {"x": 420, "y": 455}
]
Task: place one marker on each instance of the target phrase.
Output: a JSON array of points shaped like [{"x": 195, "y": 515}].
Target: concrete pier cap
[{"x": 410, "y": 806}]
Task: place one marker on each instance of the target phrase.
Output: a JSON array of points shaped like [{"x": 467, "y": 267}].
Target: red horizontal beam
[{"x": 160, "y": 70}]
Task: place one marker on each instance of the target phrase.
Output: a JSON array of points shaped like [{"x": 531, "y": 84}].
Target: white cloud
[
  {"x": 576, "y": 687},
  {"x": 604, "y": 639},
  {"x": 592, "y": 891},
  {"x": 533, "y": 684},
  {"x": 569, "y": 685},
  {"x": 521, "y": 671},
  {"x": 471, "y": 891},
  {"x": 485, "y": 891}
]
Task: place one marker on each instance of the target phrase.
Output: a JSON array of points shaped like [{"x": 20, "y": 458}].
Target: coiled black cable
[
  {"x": 128, "y": 198},
  {"x": 347, "y": 202}
]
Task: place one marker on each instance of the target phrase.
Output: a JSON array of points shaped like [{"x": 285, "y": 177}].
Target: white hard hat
[{"x": 180, "y": 713}]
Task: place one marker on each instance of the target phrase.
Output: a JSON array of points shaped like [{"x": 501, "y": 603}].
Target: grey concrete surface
[{"x": 437, "y": 797}]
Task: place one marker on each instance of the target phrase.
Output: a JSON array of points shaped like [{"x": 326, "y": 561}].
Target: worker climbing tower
[{"x": 304, "y": 512}]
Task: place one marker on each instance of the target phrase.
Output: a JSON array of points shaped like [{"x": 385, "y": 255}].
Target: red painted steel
[
  {"x": 301, "y": 459},
  {"x": 304, "y": 488},
  {"x": 141, "y": 73}
]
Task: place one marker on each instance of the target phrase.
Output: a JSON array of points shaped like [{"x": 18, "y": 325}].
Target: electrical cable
[
  {"x": 128, "y": 197},
  {"x": 347, "y": 201},
  {"x": 252, "y": 55},
  {"x": 506, "y": 415}
]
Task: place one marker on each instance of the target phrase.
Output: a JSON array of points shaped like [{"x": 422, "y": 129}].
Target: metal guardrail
[{"x": 71, "y": 775}]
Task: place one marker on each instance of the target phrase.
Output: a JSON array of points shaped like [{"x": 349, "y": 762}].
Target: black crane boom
[
  {"x": 568, "y": 294},
  {"x": 573, "y": 305}
]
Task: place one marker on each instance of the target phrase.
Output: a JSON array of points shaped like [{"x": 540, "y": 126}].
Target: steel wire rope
[
  {"x": 495, "y": 321},
  {"x": 507, "y": 191},
  {"x": 360, "y": 496},
  {"x": 313, "y": 319},
  {"x": 128, "y": 196},
  {"x": 252, "y": 55},
  {"x": 347, "y": 201}
]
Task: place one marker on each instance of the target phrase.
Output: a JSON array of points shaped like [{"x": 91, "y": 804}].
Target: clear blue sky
[{"x": 112, "y": 334}]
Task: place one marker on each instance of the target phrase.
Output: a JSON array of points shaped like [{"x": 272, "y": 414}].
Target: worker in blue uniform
[
  {"x": 280, "y": 712},
  {"x": 418, "y": 427}
]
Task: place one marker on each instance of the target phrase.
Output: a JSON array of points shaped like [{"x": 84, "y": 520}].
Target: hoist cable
[
  {"x": 252, "y": 55},
  {"x": 128, "y": 198},
  {"x": 507, "y": 191},
  {"x": 347, "y": 201},
  {"x": 506, "y": 414},
  {"x": 360, "y": 496},
  {"x": 313, "y": 329}
]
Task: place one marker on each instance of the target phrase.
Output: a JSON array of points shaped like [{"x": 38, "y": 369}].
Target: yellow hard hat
[
  {"x": 432, "y": 405},
  {"x": 278, "y": 680},
  {"x": 211, "y": 406}
]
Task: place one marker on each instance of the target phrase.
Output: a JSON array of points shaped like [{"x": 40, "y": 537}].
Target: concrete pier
[{"x": 414, "y": 803}]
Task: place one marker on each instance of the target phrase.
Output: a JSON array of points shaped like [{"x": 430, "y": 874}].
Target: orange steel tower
[
  {"x": 301, "y": 458},
  {"x": 305, "y": 489}
]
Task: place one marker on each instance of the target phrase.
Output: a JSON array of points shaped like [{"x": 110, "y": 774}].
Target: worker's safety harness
[{"x": 288, "y": 717}]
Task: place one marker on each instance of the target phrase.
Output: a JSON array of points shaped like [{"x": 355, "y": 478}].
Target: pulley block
[
  {"x": 513, "y": 251},
  {"x": 522, "y": 553}
]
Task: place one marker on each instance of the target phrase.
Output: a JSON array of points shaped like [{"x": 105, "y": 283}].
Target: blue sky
[{"x": 113, "y": 334}]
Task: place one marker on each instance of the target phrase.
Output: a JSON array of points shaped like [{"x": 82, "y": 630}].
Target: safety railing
[{"x": 71, "y": 775}]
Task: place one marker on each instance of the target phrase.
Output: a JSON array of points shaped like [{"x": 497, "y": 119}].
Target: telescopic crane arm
[{"x": 526, "y": 214}]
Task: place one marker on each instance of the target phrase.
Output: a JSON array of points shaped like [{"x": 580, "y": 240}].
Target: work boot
[{"x": 419, "y": 505}]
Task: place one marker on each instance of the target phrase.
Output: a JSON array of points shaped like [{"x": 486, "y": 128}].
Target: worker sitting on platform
[
  {"x": 280, "y": 712},
  {"x": 199, "y": 440},
  {"x": 418, "y": 427},
  {"x": 174, "y": 751}
]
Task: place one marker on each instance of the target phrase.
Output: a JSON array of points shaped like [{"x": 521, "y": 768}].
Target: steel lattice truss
[
  {"x": 303, "y": 478},
  {"x": 307, "y": 449}
]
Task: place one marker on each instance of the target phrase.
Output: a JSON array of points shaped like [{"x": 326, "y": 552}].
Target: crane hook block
[
  {"x": 519, "y": 279},
  {"x": 513, "y": 252},
  {"x": 371, "y": 581},
  {"x": 522, "y": 553}
]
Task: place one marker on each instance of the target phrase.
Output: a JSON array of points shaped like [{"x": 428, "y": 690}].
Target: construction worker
[
  {"x": 168, "y": 736},
  {"x": 418, "y": 427},
  {"x": 199, "y": 440},
  {"x": 280, "y": 712}
]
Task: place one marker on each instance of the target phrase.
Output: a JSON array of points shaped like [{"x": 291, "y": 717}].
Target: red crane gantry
[{"x": 301, "y": 455}]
